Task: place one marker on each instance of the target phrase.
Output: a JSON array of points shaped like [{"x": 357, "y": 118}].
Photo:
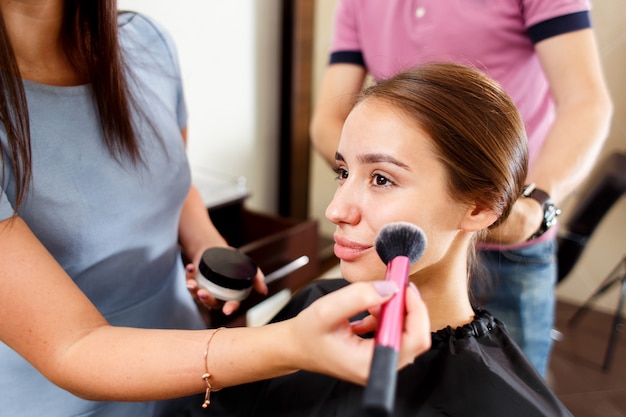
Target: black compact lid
[{"x": 227, "y": 268}]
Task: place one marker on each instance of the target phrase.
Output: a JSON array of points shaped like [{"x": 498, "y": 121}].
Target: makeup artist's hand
[
  {"x": 336, "y": 348},
  {"x": 205, "y": 298}
]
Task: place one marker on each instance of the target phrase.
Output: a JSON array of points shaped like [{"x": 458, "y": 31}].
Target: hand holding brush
[{"x": 399, "y": 245}]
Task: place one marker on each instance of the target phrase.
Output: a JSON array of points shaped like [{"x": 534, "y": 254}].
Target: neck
[
  {"x": 444, "y": 289},
  {"x": 34, "y": 28}
]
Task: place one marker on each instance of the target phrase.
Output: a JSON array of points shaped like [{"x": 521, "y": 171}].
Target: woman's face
[{"x": 388, "y": 171}]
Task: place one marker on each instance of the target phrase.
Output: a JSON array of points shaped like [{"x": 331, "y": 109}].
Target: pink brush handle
[{"x": 391, "y": 320}]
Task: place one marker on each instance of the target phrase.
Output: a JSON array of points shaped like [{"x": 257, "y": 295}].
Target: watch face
[
  {"x": 550, "y": 213},
  {"x": 550, "y": 210}
]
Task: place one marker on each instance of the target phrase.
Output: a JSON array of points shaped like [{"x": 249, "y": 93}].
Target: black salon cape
[{"x": 476, "y": 370}]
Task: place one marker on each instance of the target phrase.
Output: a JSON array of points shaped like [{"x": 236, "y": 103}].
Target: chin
[{"x": 360, "y": 271}]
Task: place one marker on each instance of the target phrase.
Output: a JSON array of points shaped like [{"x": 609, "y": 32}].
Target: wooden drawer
[{"x": 276, "y": 244}]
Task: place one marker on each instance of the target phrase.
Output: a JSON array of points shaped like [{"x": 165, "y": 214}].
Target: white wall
[{"x": 230, "y": 54}]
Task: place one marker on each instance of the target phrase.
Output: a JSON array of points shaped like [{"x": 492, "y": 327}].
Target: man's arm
[
  {"x": 583, "y": 116},
  {"x": 340, "y": 87},
  {"x": 583, "y": 113}
]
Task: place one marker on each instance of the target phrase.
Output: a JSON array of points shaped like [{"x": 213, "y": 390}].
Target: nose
[{"x": 344, "y": 207}]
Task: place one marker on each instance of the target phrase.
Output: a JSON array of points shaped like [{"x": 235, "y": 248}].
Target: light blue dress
[{"x": 112, "y": 225}]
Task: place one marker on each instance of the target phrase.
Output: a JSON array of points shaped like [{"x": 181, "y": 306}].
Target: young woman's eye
[
  {"x": 381, "y": 180},
  {"x": 342, "y": 174}
]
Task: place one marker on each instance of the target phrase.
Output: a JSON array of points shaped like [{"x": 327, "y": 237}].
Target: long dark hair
[{"x": 90, "y": 38}]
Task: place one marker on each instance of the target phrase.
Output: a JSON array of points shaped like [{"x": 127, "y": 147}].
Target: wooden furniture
[
  {"x": 295, "y": 113},
  {"x": 277, "y": 244}
]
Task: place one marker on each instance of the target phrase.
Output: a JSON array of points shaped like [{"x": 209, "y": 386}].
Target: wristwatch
[{"x": 550, "y": 210}]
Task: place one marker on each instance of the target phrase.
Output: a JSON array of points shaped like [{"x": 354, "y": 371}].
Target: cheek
[
  {"x": 439, "y": 242},
  {"x": 383, "y": 212},
  {"x": 441, "y": 228}
]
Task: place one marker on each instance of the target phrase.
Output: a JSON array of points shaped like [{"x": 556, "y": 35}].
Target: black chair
[{"x": 606, "y": 187}]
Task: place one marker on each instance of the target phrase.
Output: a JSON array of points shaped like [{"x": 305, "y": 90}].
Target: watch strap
[{"x": 550, "y": 210}]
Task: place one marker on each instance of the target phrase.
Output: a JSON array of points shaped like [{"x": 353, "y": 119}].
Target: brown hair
[
  {"x": 90, "y": 38},
  {"x": 475, "y": 127}
]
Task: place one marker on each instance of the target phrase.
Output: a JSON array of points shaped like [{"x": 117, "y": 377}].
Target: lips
[{"x": 349, "y": 250}]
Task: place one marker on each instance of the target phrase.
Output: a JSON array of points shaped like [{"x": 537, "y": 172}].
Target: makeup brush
[{"x": 399, "y": 245}]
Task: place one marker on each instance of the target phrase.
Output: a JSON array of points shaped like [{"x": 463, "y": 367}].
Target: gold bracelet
[{"x": 206, "y": 376}]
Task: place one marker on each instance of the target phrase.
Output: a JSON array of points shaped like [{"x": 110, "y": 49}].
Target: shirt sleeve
[
  {"x": 559, "y": 25},
  {"x": 181, "y": 106},
  {"x": 545, "y": 19},
  {"x": 345, "y": 44},
  {"x": 166, "y": 47}
]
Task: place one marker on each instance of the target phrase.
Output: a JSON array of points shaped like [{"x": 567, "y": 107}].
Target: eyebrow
[{"x": 372, "y": 158}]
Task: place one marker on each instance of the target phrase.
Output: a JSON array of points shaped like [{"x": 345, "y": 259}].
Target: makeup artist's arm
[
  {"x": 583, "y": 116},
  {"x": 340, "y": 87},
  {"x": 196, "y": 233},
  {"x": 48, "y": 320}
]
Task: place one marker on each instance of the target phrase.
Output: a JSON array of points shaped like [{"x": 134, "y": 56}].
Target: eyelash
[
  {"x": 388, "y": 182},
  {"x": 342, "y": 174}
]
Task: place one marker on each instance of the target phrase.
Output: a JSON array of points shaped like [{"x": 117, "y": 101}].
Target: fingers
[
  {"x": 259, "y": 282},
  {"x": 230, "y": 307},
  {"x": 339, "y": 306},
  {"x": 205, "y": 298},
  {"x": 202, "y": 296},
  {"x": 367, "y": 325},
  {"x": 190, "y": 272},
  {"x": 324, "y": 338},
  {"x": 328, "y": 343},
  {"x": 210, "y": 302},
  {"x": 417, "y": 336}
]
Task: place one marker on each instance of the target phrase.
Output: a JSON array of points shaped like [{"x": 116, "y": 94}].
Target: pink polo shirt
[{"x": 495, "y": 36}]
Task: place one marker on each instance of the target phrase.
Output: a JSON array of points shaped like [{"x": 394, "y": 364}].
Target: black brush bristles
[{"x": 400, "y": 239}]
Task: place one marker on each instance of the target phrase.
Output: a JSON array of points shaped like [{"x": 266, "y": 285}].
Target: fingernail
[
  {"x": 190, "y": 286},
  {"x": 203, "y": 296},
  {"x": 189, "y": 268},
  {"x": 355, "y": 323},
  {"x": 385, "y": 288},
  {"x": 414, "y": 287}
]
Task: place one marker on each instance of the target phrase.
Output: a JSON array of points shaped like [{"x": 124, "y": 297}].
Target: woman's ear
[{"x": 477, "y": 218}]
